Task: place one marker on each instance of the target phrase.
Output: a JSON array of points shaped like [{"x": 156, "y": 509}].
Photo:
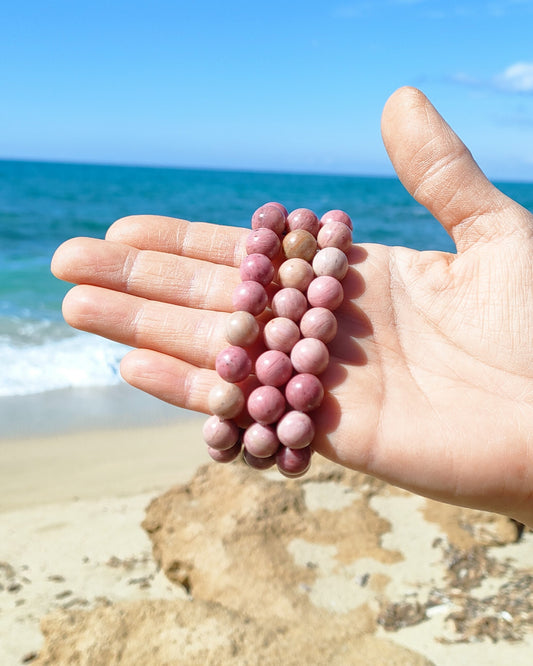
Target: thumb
[{"x": 438, "y": 170}]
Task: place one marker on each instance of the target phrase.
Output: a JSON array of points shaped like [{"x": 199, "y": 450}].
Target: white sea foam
[{"x": 81, "y": 360}]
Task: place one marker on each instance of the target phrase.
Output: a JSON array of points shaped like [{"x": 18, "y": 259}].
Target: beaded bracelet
[{"x": 274, "y": 426}]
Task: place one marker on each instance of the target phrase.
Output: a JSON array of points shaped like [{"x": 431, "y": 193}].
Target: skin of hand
[{"x": 430, "y": 384}]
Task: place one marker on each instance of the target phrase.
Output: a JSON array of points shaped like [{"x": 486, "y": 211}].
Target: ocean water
[{"x": 43, "y": 204}]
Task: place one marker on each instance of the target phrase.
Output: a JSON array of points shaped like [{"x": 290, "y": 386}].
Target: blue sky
[{"x": 284, "y": 86}]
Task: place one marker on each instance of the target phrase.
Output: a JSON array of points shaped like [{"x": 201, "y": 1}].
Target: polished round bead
[
  {"x": 266, "y": 404},
  {"x": 295, "y": 273},
  {"x": 303, "y": 218},
  {"x": 325, "y": 292},
  {"x": 331, "y": 261},
  {"x": 220, "y": 434},
  {"x": 278, "y": 205},
  {"x": 263, "y": 241},
  {"x": 290, "y": 303},
  {"x": 269, "y": 216},
  {"x": 299, "y": 244},
  {"x": 293, "y": 462},
  {"x": 225, "y": 400},
  {"x": 273, "y": 368},
  {"x": 319, "y": 323},
  {"x": 242, "y": 329},
  {"x": 304, "y": 392},
  {"x": 258, "y": 268},
  {"x": 295, "y": 430},
  {"x": 251, "y": 297},
  {"x": 233, "y": 364},
  {"x": 336, "y": 216},
  {"x": 310, "y": 355},
  {"x": 261, "y": 440},
  {"x": 258, "y": 463},
  {"x": 226, "y": 456},
  {"x": 281, "y": 333},
  {"x": 335, "y": 234}
]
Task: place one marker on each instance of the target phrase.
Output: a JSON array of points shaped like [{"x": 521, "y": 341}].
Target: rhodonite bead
[
  {"x": 266, "y": 404},
  {"x": 258, "y": 268},
  {"x": 293, "y": 462},
  {"x": 269, "y": 217},
  {"x": 295, "y": 429},
  {"x": 263, "y": 241},
  {"x": 304, "y": 392},
  {"x": 336, "y": 216},
  {"x": 278, "y": 205},
  {"x": 330, "y": 261},
  {"x": 290, "y": 303},
  {"x": 233, "y": 364},
  {"x": 303, "y": 218},
  {"x": 325, "y": 292},
  {"x": 250, "y": 296},
  {"x": 220, "y": 434},
  {"x": 281, "y": 334},
  {"x": 242, "y": 329},
  {"x": 301, "y": 244},
  {"x": 295, "y": 273},
  {"x": 258, "y": 463},
  {"x": 225, "y": 400},
  {"x": 261, "y": 440},
  {"x": 225, "y": 456},
  {"x": 335, "y": 234},
  {"x": 310, "y": 355},
  {"x": 273, "y": 368},
  {"x": 319, "y": 323}
]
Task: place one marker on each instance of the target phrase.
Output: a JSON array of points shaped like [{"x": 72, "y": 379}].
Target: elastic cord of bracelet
[{"x": 313, "y": 263}]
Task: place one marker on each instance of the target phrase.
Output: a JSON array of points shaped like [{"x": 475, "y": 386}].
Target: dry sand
[{"x": 231, "y": 566}]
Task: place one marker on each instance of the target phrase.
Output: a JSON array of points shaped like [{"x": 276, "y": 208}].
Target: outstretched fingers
[
  {"x": 198, "y": 240},
  {"x": 438, "y": 170}
]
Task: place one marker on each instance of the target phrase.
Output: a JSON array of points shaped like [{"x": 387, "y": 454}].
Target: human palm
[{"x": 430, "y": 384}]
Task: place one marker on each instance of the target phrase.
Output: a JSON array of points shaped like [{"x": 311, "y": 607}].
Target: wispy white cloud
[{"x": 516, "y": 78}]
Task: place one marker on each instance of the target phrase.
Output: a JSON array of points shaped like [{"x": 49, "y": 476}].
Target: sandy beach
[{"x": 124, "y": 545}]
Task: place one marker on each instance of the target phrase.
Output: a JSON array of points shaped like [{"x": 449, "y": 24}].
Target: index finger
[{"x": 198, "y": 240}]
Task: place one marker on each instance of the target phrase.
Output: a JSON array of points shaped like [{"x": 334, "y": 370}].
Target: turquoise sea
[{"x": 43, "y": 204}]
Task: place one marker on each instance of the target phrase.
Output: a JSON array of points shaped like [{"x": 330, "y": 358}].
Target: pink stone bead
[
  {"x": 295, "y": 273},
  {"x": 220, "y": 434},
  {"x": 303, "y": 218},
  {"x": 295, "y": 430},
  {"x": 281, "y": 333},
  {"x": 269, "y": 217},
  {"x": 289, "y": 303},
  {"x": 258, "y": 463},
  {"x": 266, "y": 404},
  {"x": 226, "y": 456},
  {"x": 226, "y": 400},
  {"x": 331, "y": 261},
  {"x": 261, "y": 440},
  {"x": 278, "y": 205},
  {"x": 335, "y": 234},
  {"x": 263, "y": 241},
  {"x": 319, "y": 323},
  {"x": 293, "y": 462},
  {"x": 310, "y": 355},
  {"x": 336, "y": 216},
  {"x": 258, "y": 268},
  {"x": 233, "y": 364},
  {"x": 273, "y": 368},
  {"x": 299, "y": 243},
  {"x": 242, "y": 329},
  {"x": 304, "y": 392},
  {"x": 251, "y": 297},
  {"x": 325, "y": 292}
]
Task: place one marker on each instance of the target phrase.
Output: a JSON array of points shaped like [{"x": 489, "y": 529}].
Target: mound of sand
[{"x": 335, "y": 567}]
